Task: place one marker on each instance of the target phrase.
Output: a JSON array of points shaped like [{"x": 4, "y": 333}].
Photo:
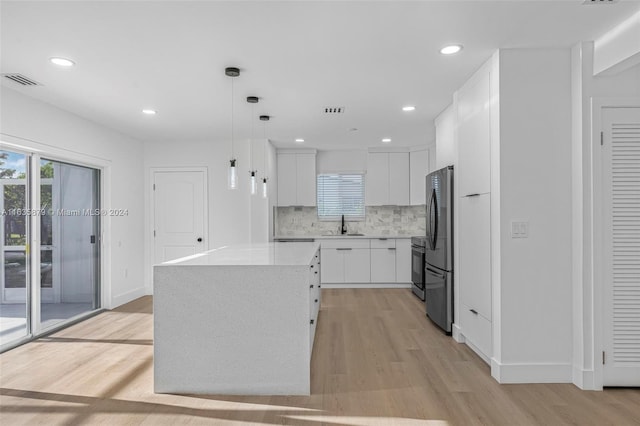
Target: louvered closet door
[{"x": 621, "y": 180}]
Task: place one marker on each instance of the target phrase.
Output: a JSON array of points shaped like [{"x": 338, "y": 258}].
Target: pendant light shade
[
  {"x": 232, "y": 173},
  {"x": 254, "y": 183},
  {"x": 264, "y": 187}
]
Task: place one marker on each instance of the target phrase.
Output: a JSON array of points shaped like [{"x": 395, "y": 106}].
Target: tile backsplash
[{"x": 379, "y": 220}]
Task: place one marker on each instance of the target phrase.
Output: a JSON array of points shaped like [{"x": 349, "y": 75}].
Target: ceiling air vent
[
  {"x": 600, "y": 1},
  {"x": 21, "y": 79},
  {"x": 334, "y": 110}
]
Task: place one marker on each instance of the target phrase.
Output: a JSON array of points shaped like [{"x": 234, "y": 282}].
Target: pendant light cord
[
  {"x": 251, "y": 141},
  {"x": 232, "y": 135}
]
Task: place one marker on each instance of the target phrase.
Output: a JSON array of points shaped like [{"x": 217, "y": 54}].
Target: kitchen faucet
[{"x": 343, "y": 227}]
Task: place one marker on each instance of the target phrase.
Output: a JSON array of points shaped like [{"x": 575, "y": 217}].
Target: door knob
[{"x": 199, "y": 240}]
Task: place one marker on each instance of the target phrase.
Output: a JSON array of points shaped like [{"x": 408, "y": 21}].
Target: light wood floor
[{"x": 377, "y": 361}]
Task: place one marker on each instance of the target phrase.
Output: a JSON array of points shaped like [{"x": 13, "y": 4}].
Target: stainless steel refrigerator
[{"x": 439, "y": 248}]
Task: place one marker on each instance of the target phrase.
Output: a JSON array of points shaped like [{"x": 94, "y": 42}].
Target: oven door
[{"x": 417, "y": 270}]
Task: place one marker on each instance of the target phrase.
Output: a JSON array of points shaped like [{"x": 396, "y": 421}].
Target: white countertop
[{"x": 262, "y": 254}]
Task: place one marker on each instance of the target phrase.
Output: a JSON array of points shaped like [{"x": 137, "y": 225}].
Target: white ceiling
[{"x": 371, "y": 57}]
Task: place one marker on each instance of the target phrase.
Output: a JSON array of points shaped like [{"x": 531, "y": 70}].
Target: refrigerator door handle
[
  {"x": 433, "y": 286},
  {"x": 435, "y": 215},
  {"x": 434, "y": 273},
  {"x": 432, "y": 217}
]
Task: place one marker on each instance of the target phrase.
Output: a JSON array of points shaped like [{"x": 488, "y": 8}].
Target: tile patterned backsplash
[{"x": 379, "y": 220}]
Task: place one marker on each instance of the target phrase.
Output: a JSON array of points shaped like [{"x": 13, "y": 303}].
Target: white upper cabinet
[
  {"x": 296, "y": 179},
  {"x": 387, "y": 179},
  {"x": 306, "y": 173},
  {"x": 399, "y": 178},
  {"x": 287, "y": 179},
  {"x": 377, "y": 180},
  {"x": 446, "y": 148},
  {"x": 418, "y": 170},
  {"x": 474, "y": 135}
]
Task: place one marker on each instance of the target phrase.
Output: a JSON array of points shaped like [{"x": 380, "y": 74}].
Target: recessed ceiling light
[
  {"x": 386, "y": 140},
  {"x": 299, "y": 140},
  {"x": 450, "y": 50},
  {"x": 63, "y": 62},
  {"x": 408, "y": 108},
  {"x": 149, "y": 111}
]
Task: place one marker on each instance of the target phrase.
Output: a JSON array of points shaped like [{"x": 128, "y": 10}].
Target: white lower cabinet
[
  {"x": 332, "y": 266},
  {"x": 474, "y": 272},
  {"x": 403, "y": 260},
  {"x": 366, "y": 260},
  {"x": 345, "y": 261},
  {"x": 477, "y": 331},
  {"x": 383, "y": 260},
  {"x": 357, "y": 265},
  {"x": 383, "y": 265}
]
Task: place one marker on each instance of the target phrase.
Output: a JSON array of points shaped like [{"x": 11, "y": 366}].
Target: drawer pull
[
  {"x": 316, "y": 300},
  {"x": 316, "y": 272},
  {"x": 312, "y": 266},
  {"x": 312, "y": 321},
  {"x": 472, "y": 195},
  {"x": 473, "y": 311},
  {"x": 343, "y": 249},
  {"x": 391, "y": 248},
  {"x": 311, "y": 286},
  {"x": 383, "y": 239}
]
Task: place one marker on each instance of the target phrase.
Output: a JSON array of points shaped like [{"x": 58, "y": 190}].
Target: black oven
[{"x": 418, "y": 245}]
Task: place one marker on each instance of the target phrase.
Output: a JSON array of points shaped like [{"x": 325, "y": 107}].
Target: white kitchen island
[{"x": 237, "y": 320}]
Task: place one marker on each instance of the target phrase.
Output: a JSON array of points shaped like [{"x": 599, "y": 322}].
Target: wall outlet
[{"x": 519, "y": 229}]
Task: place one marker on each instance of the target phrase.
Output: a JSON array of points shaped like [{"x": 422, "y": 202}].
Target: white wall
[
  {"x": 235, "y": 217},
  {"x": 31, "y": 123},
  {"x": 585, "y": 87},
  {"x": 535, "y": 185}
]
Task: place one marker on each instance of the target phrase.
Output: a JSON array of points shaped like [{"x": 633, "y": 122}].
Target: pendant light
[
  {"x": 232, "y": 174},
  {"x": 264, "y": 119},
  {"x": 252, "y": 173}
]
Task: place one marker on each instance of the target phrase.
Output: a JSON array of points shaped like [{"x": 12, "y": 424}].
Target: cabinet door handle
[
  {"x": 312, "y": 321},
  {"x": 343, "y": 249},
  {"x": 391, "y": 248},
  {"x": 383, "y": 239},
  {"x": 472, "y": 195},
  {"x": 316, "y": 272},
  {"x": 311, "y": 286},
  {"x": 311, "y": 266},
  {"x": 473, "y": 311},
  {"x": 316, "y": 300}
]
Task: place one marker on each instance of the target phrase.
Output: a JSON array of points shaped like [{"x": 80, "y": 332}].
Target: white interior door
[
  {"x": 179, "y": 212},
  {"x": 621, "y": 180}
]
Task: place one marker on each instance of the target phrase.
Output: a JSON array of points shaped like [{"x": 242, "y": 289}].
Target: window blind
[{"x": 340, "y": 194}]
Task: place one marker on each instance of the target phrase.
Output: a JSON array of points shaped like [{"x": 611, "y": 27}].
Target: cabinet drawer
[
  {"x": 383, "y": 243},
  {"x": 352, "y": 243},
  {"x": 476, "y": 329}
]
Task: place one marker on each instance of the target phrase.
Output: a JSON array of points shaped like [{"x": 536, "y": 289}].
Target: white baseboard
[
  {"x": 584, "y": 379},
  {"x": 121, "y": 299},
  {"x": 457, "y": 334},
  {"x": 366, "y": 285},
  {"x": 531, "y": 373}
]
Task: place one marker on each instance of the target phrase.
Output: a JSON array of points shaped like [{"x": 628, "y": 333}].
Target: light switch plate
[{"x": 519, "y": 229}]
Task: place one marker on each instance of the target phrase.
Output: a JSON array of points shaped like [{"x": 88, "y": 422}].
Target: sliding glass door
[{"x": 50, "y": 251}]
